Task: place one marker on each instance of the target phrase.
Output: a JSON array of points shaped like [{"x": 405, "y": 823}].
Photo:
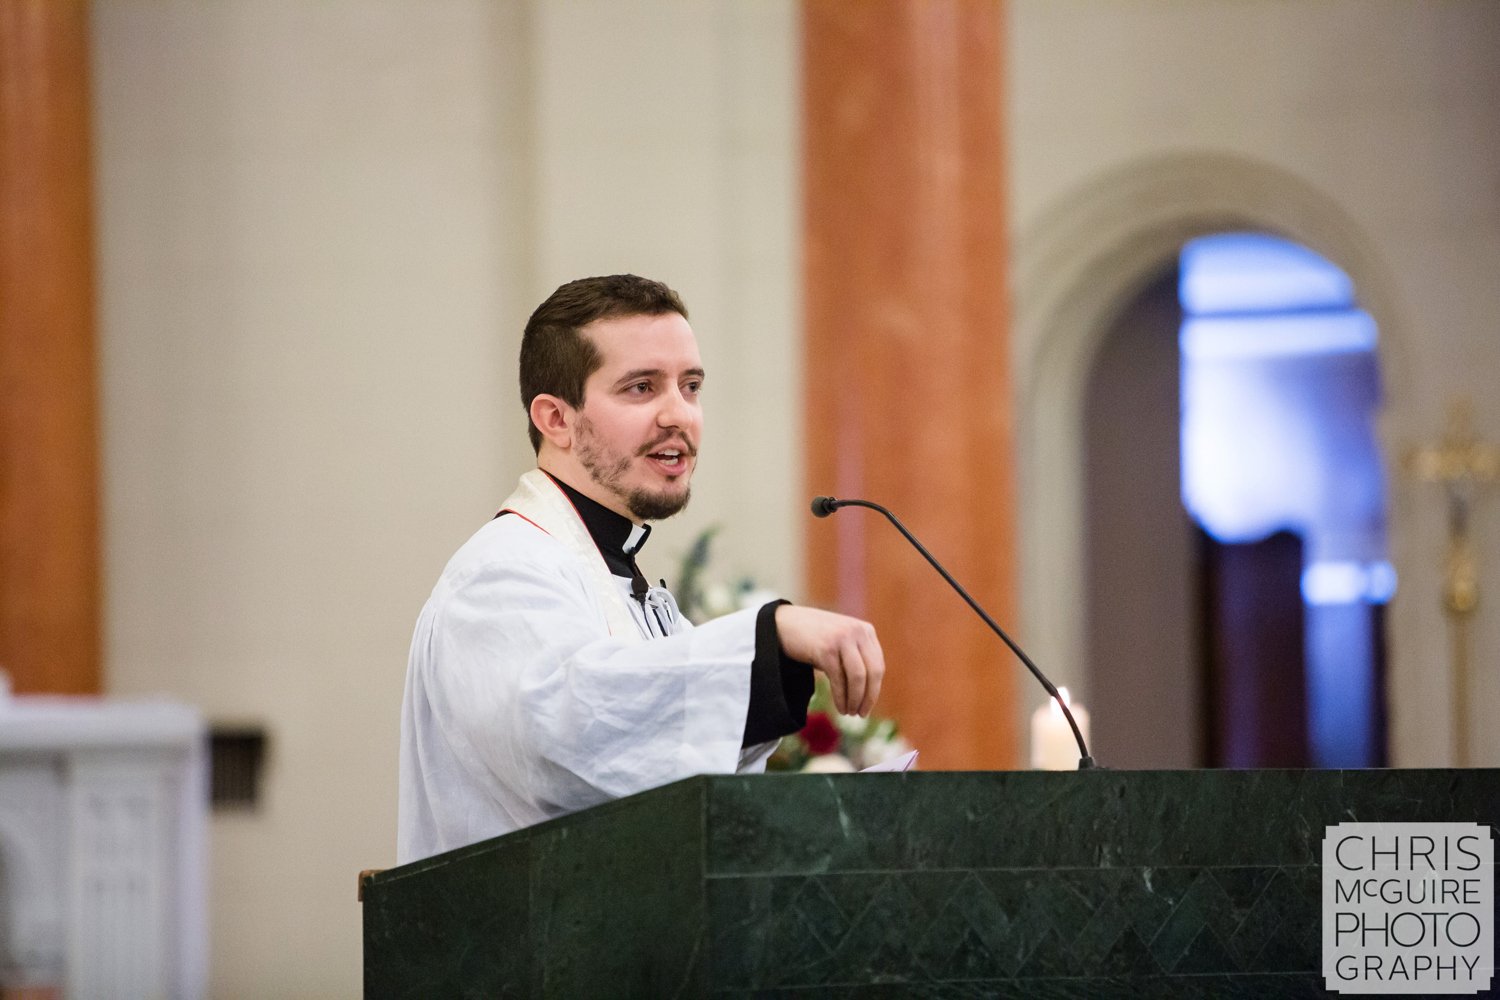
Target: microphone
[{"x": 824, "y": 506}]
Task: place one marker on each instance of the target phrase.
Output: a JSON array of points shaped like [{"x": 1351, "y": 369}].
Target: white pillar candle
[{"x": 1053, "y": 747}]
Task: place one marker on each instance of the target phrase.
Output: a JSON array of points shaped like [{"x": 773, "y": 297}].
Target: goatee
[{"x": 650, "y": 506}]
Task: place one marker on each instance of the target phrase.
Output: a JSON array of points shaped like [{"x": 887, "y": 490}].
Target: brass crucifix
[{"x": 1462, "y": 465}]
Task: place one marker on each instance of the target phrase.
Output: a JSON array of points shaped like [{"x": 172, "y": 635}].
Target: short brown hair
[{"x": 556, "y": 358}]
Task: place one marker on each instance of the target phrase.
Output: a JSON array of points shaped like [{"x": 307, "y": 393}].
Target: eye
[
  {"x": 692, "y": 387},
  {"x": 638, "y": 388}
]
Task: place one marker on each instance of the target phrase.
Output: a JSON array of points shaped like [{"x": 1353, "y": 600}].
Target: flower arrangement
[{"x": 829, "y": 742}]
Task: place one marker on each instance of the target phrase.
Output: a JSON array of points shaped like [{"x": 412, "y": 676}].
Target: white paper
[{"x": 901, "y": 763}]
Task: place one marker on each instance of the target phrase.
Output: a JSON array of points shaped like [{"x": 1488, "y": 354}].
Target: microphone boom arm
[{"x": 823, "y": 506}]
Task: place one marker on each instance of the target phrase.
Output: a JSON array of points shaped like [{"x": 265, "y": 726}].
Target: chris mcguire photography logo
[{"x": 1408, "y": 908}]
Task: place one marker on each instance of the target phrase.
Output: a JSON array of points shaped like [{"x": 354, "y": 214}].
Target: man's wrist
[{"x": 779, "y": 686}]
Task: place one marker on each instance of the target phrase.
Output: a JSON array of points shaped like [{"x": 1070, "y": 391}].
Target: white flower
[
  {"x": 879, "y": 749},
  {"x": 852, "y": 725},
  {"x": 718, "y": 600},
  {"x": 828, "y": 763}
]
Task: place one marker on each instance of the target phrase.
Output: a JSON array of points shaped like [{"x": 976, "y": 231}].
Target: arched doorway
[
  {"x": 1235, "y": 584},
  {"x": 1282, "y": 472},
  {"x": 1079, "y": 268}
]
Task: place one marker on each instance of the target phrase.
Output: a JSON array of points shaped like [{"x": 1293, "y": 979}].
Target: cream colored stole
[{"x": 542, "y": 502}]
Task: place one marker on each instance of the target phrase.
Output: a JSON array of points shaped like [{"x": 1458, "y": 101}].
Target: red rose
[{"x": 820, "y": 734}]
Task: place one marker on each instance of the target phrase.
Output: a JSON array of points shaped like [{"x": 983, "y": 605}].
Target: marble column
[
  {"x": 49, "y": 504},
  {"x": 908, "y": 390}
]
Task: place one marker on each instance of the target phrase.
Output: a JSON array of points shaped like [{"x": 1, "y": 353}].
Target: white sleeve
[{"x": 526, "y": 684}]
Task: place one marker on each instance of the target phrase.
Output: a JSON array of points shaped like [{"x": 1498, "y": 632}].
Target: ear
[{"x": 554, "y": 419}]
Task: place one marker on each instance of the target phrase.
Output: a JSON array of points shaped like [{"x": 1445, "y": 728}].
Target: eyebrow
[{"x": 640, "y": 373}]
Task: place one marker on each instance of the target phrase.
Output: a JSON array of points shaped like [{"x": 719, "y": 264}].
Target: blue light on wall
[
  {"x": 1280, "y": 391},
  {"x": 1348, "y": 582},
  {"x": 1255, "y": 273}
]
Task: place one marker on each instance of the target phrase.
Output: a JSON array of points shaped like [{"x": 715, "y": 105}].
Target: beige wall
[
  {"x": 321, "y": 228},
  {"x": 1365, "y": 128},
  {"x": 665, "y": 144}
]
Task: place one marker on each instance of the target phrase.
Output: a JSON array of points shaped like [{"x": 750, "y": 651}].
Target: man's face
[{"x": 637, "y": 433}]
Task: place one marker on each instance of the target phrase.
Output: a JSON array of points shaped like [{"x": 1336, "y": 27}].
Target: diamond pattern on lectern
[{"x": 1038, "y": 924}]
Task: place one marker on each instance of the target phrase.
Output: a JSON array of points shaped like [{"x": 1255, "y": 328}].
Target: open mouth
[
  {"x": 670, "y": 459},
  {"x": 671, "y": 456}
]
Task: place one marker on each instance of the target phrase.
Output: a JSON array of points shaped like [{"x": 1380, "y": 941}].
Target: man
[{"x": 546, "y": 676}]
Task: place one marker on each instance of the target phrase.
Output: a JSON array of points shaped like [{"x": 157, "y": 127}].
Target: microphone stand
[{"x": 824, "y": 506}]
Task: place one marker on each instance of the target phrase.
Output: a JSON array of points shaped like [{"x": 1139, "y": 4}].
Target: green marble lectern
[{"x": 1101, "y": 883}]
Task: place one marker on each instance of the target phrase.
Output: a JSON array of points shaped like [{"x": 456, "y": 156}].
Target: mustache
[{"x": 677, "y": 441}]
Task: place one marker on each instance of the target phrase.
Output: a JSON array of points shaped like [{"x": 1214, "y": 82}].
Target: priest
[{"x": 546, "y": 674}]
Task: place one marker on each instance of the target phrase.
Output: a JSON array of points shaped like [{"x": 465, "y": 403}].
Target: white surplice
[{"x": 532, "y": 690}]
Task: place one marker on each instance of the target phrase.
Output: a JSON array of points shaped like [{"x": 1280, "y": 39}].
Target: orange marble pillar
[
  {"x": 49, "y": 549},
  {"x": 908, "y": 399}
]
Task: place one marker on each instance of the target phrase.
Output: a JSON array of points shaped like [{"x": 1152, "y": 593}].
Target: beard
[
  {"x": 609, "y": 469},
  {"x": 649, "y": 506}
]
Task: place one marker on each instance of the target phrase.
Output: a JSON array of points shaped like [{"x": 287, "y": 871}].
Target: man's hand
[{"x": 842, "y": 648}]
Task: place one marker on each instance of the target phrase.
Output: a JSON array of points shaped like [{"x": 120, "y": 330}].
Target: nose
[{"x": 676, "y": 410}]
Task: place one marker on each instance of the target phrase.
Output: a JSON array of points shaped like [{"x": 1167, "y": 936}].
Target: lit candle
[{"x": 1053, "y": 747}]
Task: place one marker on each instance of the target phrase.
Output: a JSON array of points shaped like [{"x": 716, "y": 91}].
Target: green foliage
[{"x": 690, "y": 575}]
